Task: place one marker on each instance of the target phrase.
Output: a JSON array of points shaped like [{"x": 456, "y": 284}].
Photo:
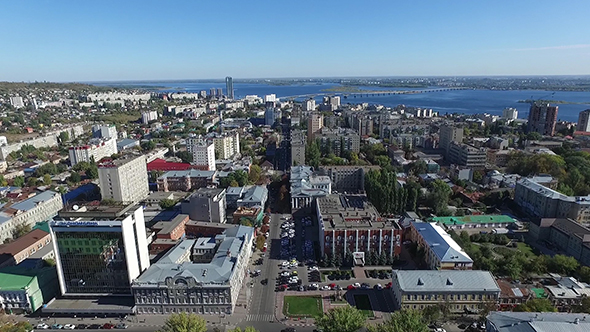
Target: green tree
[
  {"x": 20, "y": 230},
  {"x": 313, "y": 154},
  {"x": 536, "y": 305},
  {"x": 183, "y": 322},
  {"x": 584, "y": 306},
  {"x": 3, "y": 182},
  {"x": 92, "y": 172},
  {"x": 148, "y": 145},
  {"x": 49, "y": 262},
  {"x": 46, "y": 179},
  {"x": 167, "y": 203},
  {"x": 584, "y": 274},
  {"x": 32, "y": 181},
  {"x": 19, "y": 181},
  {"x": 64, "y": 137},
  {"x": 75, "y": 177},
  {"x": 344, "y": 319},
  {"x": 185, "y": 156},
  {"x": 431, "y": 314},
  {"x": 16, "y": 327},
  {"x": 255, "y": 172},
  {"x": 438, "y": 198},
  {"x": 401, "y": 321},
  {"x": 260, "y": 241},
  {"x": 563, "y": 264}
]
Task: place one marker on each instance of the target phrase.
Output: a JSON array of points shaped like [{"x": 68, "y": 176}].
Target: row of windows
[{"x": 466, "y": 297}]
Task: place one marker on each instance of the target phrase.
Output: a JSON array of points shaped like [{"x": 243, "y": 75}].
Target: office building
[
  {"x": 309, "y": 105},
  {"x": 349, "y": 179},
  {"x": 509, "y": 113},
  {"x": 204, "y": 156},
  {"x": 441, "y": 252},
  {"x": 450, "y": 134},
  {"x": 306, "y": 186},
  {"x": 540, "y": 201},
  {"x": 460, "y": 291},
  {"x": 100, "y": 249},
  {"x": 297, "y": 147},
  {"x": 227, "y": 145},
  {"x": 565, "y": 234},
  {"x": 104, "y": 131},
  {"x": 269, "y": 116},
  {"x": 350, "y": 225},
  {"x": 28, "y": 212},
  {"x": 584, "y": 121},
  {"x": 148, "y": 116},
  {"x": 96, "y": 149},
  {"x": 467, "y": 155},
  {"x": 247, "y": 196},
  {"x": 206, "y": 204},
  {"x": 24, "y": 290},
  {"x": 185, "y": 180},
  {"x": 229, "y": 87},
  {"x": 507, "y": 321},
  {"x": 315, "y": 122},
  {"x": 17, "y": 102},
  {"x": 201, "y": 276},
  {"x": 124, "y": 180},
  {"x": 542, "y": 119}
]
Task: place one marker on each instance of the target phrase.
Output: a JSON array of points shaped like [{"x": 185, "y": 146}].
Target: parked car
[
  {"x": 356, "y": 285},
  {"x": 94, "y": 327},
  {"x": 108, "y": 326},
  {"x": 43, "y": 326},
  {"x": 69, "y": 327},
  {"x": 81, "y": 327},
  {"x": 57, "y": 327},
  {"x": 121, "y": 326},
  {"x": 350, "y": 287}
]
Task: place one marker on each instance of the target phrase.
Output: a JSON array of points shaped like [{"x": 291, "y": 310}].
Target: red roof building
[{"x": 163, "y": 165}]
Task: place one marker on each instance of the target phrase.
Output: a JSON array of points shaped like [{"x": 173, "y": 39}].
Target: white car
[
  {"x": 357, "y": 285},
  {"x": 69, "y": 327},
  {"x": 326, "y": 287},
  {"x": 43, "y": 326},
  {"x": 285, "y": 274},
  {"x": 315, "y": 285}
]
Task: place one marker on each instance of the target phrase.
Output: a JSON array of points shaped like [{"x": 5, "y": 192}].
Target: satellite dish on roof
[{"x": 75, "y": 207}]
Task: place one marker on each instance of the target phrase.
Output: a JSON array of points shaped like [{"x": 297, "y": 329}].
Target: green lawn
[
  {"x": 363, "y": 304},
  {"x": 303, "y": 306},
  {"x": 526, "y": 249}
]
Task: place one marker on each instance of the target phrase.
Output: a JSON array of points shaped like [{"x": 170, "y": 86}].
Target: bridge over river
[{"x": 360, "y": 94}]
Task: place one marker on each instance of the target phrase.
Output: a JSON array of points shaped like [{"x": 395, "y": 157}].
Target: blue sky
[{"x": 145, "y": 40}]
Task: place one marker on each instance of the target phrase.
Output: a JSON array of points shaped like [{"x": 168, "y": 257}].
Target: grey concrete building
[{"x": 206, "y": 204}]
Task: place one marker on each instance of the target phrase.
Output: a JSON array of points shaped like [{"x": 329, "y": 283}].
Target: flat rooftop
[
  {"x": 482, "y": 219},
  {"x": 100, "y": 305},
  {"x": 350, "y": 211},
  {"x": 95, "y": 210}
]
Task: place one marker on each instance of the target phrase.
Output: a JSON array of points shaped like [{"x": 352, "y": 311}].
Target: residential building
[
  {"x": 24, "y": 247},
  {"x": 441, "y": 252},
  {"x": 50, "y": 139},
  {"x": 540, "y": 201},
  {"x": 202, "y": 276},
  {"x": 298, "y": 143},
  {"x": 96, "y": 149},
  {"x": 350, "y": 224},
  {"x": 460, "y": 291},
  {"x": 229, "y": 87},
  {"x": 512, "y": 294},
  {"x": 193, "y": 141},
  {"x": 338, "y": 140},
  {"x": 173, "y": 229},
  {"x": 104, "y": 131},
  {"x": 476, "y": 221},
  {"x": 148, "y": 116},
  {"x": 567, "y": 235},
  {"x": 542, "y": 118},
  {"x": 248, "y": 215},
  {"x": 467, "y": 155},
  {"x": 309, "y": 105},
  {"x": 124, "y": 180},
  {"x": 306, "y": 186},
  {"x": 186, "y": 180},
  {"x": 227, "y": 145},
  {"x": 315, "y": 122},
  {"x": 28, "y": 212},
  {"x": 509, "y": 113},
  {"x": 126, "y": 144},
  {"x": 206, "y": 204},
  {"x": 507, "y": 321},
  {"x": 584, "y": 121},
  {"x": 349, "y": 179},
  {"x": 99, "y": 249},
  {"x": 204, "y": 156},
  {"x": 24, "y": 291},
  {"x": 247, "y": 196},
  {"x": 499, "y": 158},
  {"x": 450, "y": 134},
  {"x": 17, "y": 102}
]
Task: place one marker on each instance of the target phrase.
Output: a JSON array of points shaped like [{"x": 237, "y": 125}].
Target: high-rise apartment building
[
  {"x": 124, "y": 180},
  {"x": 99, "y": 250},
  {"x": 104, "y": 131},
  {"x": 542, "y": 118},
  {"x": 584, "y": 121},
  {"x": 96, "y": 149},
  {"x": 450, "y": 134},
  {"x": 314, "y": 124},
  {"x": 309, "y": 105},
  {"x": 229, "y": 87},
  {"x": 227, "y": 145},
  {"x": 297, "y": 148},
  {"x": 206, "y": 204},
  {"x": 510, "y": 113},
  {"x": 269, "y": 116},
  {"x": 148, "y": 116},
  {"x": 219, "y": 92},
  {"x": 204, "y": 156},
  {"x": 17, "y": 102}
]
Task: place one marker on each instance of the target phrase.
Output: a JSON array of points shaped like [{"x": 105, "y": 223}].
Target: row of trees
[
  {"x": 350, "y": 319},
  {"x": 387, "y": 194}
]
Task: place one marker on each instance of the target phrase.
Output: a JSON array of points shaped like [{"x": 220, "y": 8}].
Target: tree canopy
[
  {"x": 536, "y": 305},
  {"x": 183, "y": 322},
  {"x": 344, "y": 319},
  {"x": 401, "y": 321}
]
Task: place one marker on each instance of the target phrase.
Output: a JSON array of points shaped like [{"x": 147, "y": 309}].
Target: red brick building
[{"x": 17, "y": 251}]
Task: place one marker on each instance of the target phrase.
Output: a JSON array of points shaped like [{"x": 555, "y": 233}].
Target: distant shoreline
[{"x": 528, "y": 101}]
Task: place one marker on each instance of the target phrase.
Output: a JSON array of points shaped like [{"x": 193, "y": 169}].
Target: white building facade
[
  {"x": 95, "y": 149},
  {"x": 124, "y": 180},
  {"x": 204, "y": 156}
]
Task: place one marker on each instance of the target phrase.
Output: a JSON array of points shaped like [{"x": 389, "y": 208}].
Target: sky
[{"x": 111, "y": 40}]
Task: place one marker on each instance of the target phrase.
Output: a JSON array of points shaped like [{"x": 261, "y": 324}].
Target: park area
[
  {"x": 363, "y": 304},
  {"x": 303, "y": 306}
]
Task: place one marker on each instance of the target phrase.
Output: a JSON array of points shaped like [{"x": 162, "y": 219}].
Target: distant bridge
[{"x": 372, "y": 93}]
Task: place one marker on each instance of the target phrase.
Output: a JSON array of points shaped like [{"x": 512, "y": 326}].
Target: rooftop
[
  {"x": 96, "y": 211},
  {"x": 108, "y": 162},
  {"x": 506, "y": 321},
  {"x": 165, "y": 227},
  {"x": 8, "y": 211},
  {"x": 445, "y": 281},
  {"x": 479, "y": 219},
  {"x": 441, "y": 243},
  {"x": 7, "y": 251},
  {"x": 191, "y": 173},
  {"x": 349, "y": 211}
]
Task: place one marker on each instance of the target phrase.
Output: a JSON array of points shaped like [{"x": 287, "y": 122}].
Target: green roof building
[
  {"x": 26, "y": 290},
  {"x": 476, "y": 221}
]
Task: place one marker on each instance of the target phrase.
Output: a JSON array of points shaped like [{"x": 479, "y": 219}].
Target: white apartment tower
[
  {"x": 584, "y": 121},
  {"x": 96, "y": 149},
  {"x": 148, "y": 116},
  {"x": 227, "y": 145},
  {"x": 309, "y": 105},
  {"x": 204, "y": 156},
  {"x": 510, "y": 113},
  {"x": 124, "y": 180}
]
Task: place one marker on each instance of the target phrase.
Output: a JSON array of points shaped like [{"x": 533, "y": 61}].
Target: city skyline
[{"x": 72, "y": 41}]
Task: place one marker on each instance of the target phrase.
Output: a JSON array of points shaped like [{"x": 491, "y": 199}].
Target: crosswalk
[{"x": 260, "y": 318}]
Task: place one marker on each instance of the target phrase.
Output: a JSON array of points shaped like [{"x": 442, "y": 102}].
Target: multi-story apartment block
[
  {"x": 227, "y": 145},
  {"x": 467, "y": 155},
  {"x": 540, "y": 201},
  {"x": 567, "y": 235},
  {"x": 202, "y": 276},
  {"x": 450, "y": 134},
  {"x": 339, "y": 139},
  {"x": 99, "y": 249},
  {"x": 48, "y": 140},
  {"x": 104, "y": 131},
  {"x": 542, "y": 118},
  {"x": 124, "y": 180},
  {"x": 441, "y": 252},
  {"x": 24, "y": 247},
  {"x": 315, "y": 122},
  {"x": 348, "y": 178},
  {"x": 41, "y": 207},
  {"x": 584, "y": 121},
  {"x": 17, "y": 102},
  {"x": 148, "y": 116},
  {"x": 186, "y": 180},
  {"x": 96, "y": 149},
  {"x": 204, "y": 156},
  {"x": 206, "y": 204},
  {"x": 510, "y": 113},
  {"x": 460, "y": 290},
  {"x": 297, "y": 148},
  {"x": 309, "y": 105},
  {"x": 350, "y": 224}
]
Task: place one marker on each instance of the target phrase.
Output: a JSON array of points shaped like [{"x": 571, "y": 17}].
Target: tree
[
  {"x": 563, "y": 264},
  {"x": 431, "y": 314},
  {"x": 3, "y": 182},
  {"x": 439, "y": 196},
  {"x": 183, "y": 322},
  {"x": 64, "y": 137},
  {"x": 16, "y": 327},
  {"x": 46, "y": 179},
  {"x": 148, "y": 146},
  {"x": 19, "y": 181},
  {"x": 255, "y": 172},
  {"x": 32, "y": 181},
  {"x": 344, "y": 319},
  {"x": 260, "y": 241},
  {"x": 20, "y": 230},
  {"x": 185, "y": 156},
  {"x": 584, "y": 306},
  {"x": 92, "y": 172},
  {"x": 167, "y": 203},
  {"x": 401, "y": 321},
  {"x": 584, "y": 274},
  {"x": 75, "y": 177},
  {"x": 536, "y": 305}
]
